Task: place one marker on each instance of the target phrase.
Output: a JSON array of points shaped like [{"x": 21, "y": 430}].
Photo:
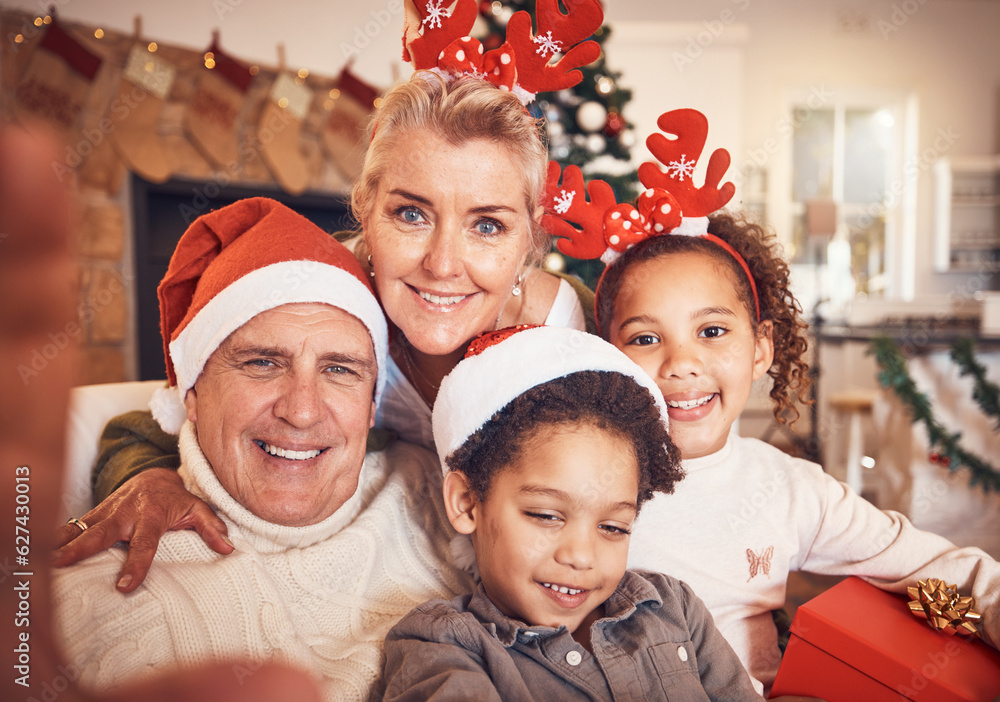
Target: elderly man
[{"x": 276, "y": 355}]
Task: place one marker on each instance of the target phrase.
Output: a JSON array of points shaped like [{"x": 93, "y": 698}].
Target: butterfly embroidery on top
[{"x": 760, "y": 562}]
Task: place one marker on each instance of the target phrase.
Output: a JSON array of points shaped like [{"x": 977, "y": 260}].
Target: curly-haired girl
[{"x": 706, "y": 316}]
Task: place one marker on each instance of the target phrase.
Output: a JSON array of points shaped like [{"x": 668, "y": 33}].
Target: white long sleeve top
[
  {"x": 322, "y": 596},
  {"x": 747, "y": 515}
]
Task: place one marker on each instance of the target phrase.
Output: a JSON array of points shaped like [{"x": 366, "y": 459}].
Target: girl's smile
[{"x": 687, "y": 327}]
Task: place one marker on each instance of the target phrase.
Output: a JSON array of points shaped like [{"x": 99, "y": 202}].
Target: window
[{"x": 849, "y": 209}]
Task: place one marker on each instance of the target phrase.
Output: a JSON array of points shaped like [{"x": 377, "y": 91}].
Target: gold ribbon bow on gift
[{"x": 943, "y": 608}]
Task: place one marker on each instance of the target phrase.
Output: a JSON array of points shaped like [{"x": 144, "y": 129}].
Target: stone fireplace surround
[{"x": 127, "y": 226}]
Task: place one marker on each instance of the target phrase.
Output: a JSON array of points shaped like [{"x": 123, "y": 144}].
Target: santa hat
[
  {"x": 499, "y": 366},
  {"x": 241, "y": 260}
]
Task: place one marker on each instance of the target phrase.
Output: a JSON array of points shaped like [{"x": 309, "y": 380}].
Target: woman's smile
[
  {"x": 449, "y": 233},
  {"x": 444, "y": 299}
]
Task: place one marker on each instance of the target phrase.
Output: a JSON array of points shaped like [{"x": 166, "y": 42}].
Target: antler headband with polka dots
[
  {"x": 671, "y": 204},
  {"x": 436, "y": 38}
]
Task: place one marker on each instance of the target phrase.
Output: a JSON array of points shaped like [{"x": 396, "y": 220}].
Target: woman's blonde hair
[{"x": 458, "y": 112}]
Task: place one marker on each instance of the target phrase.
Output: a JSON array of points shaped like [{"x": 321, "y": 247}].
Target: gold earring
[{"x": 371, "y": 268}]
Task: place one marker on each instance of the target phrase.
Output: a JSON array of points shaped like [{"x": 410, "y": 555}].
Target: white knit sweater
[
  {"x": 745, "y": 516},
  {"x": 322, "y": 596}
]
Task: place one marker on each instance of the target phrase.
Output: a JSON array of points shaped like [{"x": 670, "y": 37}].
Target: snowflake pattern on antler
[
  {"x": 435, "y": 13},
  {"x": 564, "y": 200},
  {"x": 546, "y": 44},
  {"x": 681, "y": 169}
]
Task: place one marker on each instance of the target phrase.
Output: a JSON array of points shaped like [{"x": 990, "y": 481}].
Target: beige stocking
[
  {"x": 55, "y": 84},
  {"x": 279, "y": 133},
  {"x": 211, "y": 117},
  {"x": 135, "y": 114}
]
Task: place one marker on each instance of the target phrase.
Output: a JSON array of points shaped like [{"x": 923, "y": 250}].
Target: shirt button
[
  {"x": 682, "y": 653},
  {"x": 574, "y": 658}
]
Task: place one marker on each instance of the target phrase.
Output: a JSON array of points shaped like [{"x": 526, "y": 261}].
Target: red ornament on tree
[
  {"x": 614, "y": 125},
  {"x": 938, "y": 458}
]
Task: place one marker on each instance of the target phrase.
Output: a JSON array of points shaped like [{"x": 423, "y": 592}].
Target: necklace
[{"x": 416, "y": 375}]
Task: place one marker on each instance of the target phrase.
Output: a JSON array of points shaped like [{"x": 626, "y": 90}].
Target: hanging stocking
[
  {"x": 56, "y": 82},
  {"x": 210, "y": 119},
  {"x": 280, "y": 129},
  {"x": 135, "y": 114},
  {"x": 344, "y": 130}
]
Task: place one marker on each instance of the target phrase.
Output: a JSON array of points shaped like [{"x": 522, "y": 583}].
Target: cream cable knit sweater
[{"x": 322, "y": 597}]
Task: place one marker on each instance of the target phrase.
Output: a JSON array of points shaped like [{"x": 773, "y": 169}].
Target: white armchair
[{"x": 90, "y": 408}]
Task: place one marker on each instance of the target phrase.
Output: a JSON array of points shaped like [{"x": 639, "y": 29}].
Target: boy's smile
[
  {"x": 552, "y": 534},
  {"x": 680, "y": 317}
]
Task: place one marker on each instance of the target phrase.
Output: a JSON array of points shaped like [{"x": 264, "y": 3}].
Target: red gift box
[{"x": 856, "y": 642}]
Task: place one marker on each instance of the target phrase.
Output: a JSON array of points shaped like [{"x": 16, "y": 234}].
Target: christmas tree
[{"x": 583, "y": 123}]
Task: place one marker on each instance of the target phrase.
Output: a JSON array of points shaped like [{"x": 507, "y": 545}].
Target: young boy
[{"x": 552, "y": 440}]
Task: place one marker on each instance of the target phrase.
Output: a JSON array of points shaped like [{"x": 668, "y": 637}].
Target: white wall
[
  {"x": 945, "y": 52},
  {"x": 319, "y": 36}
]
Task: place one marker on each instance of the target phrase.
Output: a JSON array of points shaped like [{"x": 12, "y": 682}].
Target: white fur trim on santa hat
[
  {"x": 258, "y": 291},
  {"x": 167, "y": 406},
  {"x": 482, "y": 385}
]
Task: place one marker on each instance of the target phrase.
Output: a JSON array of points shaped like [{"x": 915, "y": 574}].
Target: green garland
[
  {"x": 893, "y": 374},
  {"x": 985, "y": 393}
]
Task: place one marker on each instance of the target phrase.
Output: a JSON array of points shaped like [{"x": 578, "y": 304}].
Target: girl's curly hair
[
  {"x": 789, "y": 372},
  {"x": 608, "y": 401}
]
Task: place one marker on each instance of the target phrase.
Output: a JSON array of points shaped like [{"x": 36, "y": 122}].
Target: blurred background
[{"x": 865, "y": 135}]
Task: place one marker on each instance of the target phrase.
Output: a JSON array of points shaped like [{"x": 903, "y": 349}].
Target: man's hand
[{"x": 140, "y": 512}]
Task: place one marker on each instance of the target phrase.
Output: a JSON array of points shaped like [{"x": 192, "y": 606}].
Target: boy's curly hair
[
  {"x": 609, "y": 401},
  {"x": 789, "y": 372}
]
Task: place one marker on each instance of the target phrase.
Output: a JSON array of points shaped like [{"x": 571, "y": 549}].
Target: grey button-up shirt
[{"x": 657, "y": 641}]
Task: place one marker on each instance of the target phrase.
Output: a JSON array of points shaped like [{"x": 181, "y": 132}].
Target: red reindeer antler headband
[
  {"x": 436, "y": 38},
  {"x": 671, "y": 204}
]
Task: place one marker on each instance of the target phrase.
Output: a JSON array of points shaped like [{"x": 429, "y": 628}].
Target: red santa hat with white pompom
[{"x": 236, "y": 262}]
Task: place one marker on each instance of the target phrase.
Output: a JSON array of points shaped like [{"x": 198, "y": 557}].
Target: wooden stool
[{"x": 854, "y": 403}]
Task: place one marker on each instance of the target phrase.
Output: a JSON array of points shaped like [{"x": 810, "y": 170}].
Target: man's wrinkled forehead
[{"x": 276, "y": 331}]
